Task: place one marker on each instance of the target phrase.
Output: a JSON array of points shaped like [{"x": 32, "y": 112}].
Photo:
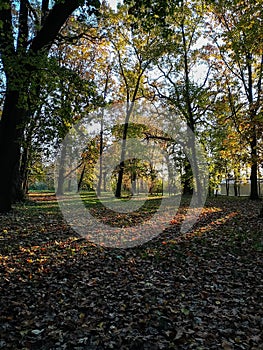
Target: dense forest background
[{"x": 63, "y": 60}]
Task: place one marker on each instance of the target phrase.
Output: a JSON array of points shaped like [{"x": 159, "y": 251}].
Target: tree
[
  {"x": 237, "y": 31},
  {"x": 24, "y": 53},
  {"x": 177, "y": 84},
  {"x": 89, "y": 57},
  {"x": 135, "y": 49}
]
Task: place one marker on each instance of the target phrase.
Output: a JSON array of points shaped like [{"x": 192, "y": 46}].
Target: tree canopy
[{"x": 202, "y": 60}]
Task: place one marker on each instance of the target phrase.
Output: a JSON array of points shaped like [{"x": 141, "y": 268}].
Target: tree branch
[
  {"x": 44, "y": 10},
  {"x": 22, "y": 39},
  {"x": 53, "y": 23},
  {"x": 6, "y": 31}
]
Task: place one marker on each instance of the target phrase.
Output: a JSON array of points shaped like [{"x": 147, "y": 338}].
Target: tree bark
[
  {"x": 254, "y": 170},
  {"x": 81, "y": 177},
  {"x": 61, "y": 172},
  {"x": 100, "y": 161},
  {"x": 133, "y": 178},
  {"x": 10, "y": 138},
  {"x": 187, "y": 179},
  {"x": 123, "y": 153}
]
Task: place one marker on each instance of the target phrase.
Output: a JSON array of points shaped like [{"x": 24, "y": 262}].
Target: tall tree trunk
[
  {"x": 187, "y": 179},
  {"x": 227, "y": 186},
  {"x": 133, "y": 178},
  {"x": 61, "y": 172},
  {"x": 81, "y": 177},
  {"x": 18, "y": 194},
  {"x": 254, "y": 169},
  {"x": 104, "y": 181},
  {"x": 100, "y": 161},
  {"x": 24, "y": 168},
  {"x": 10, "y": 141},
  {"x": 123, "y": 153},
  {"x": 119, "y": 180},
  {"x": 195, "y": 168}
]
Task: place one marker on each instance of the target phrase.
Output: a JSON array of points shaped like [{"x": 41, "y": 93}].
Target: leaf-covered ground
[{"x": 201, "y": 290}]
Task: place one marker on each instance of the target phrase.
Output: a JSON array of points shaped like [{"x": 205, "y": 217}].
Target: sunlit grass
[{"x": 221, "y": 216}]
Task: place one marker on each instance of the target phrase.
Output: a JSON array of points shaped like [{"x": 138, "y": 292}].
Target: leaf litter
[{"x": 199, "y": 290}]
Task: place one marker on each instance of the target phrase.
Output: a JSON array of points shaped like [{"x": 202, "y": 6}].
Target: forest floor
[{"x": 199, "y": 290}]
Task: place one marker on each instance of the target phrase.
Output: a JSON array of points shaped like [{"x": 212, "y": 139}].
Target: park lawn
[{"x": 199, "y": 290}]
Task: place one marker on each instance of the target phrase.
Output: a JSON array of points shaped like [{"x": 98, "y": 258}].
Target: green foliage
[
  {"x": 134, "y": 131},
  {"x": 153, "y": 13}
]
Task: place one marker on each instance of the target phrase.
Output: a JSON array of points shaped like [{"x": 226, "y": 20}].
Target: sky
[{"x": 113, "y": 3}]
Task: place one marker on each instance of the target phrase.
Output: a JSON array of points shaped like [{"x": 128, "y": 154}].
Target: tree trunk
[
  {"x": 254, "y": 170},
  {"x": 119, "y": 181},
  {"x": 195, "y": 173},
  {"x": 100, "y": 161},
  {"x": 188, "y": 179},
  {"x": 227, "y": 186},
  {"x": 10, "y": 142},
  {"x": 235, "y": 189},
  {"x": 133, "y": 181},
  {"x": 24, "y": 169},
  {"x": 61, "y": 172},
  {"x": 81, "y": 177},
  {"x": 104, "y": 181},
  {"x": 123, "y": 153},
  {"x": 18, "y": 194}
]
